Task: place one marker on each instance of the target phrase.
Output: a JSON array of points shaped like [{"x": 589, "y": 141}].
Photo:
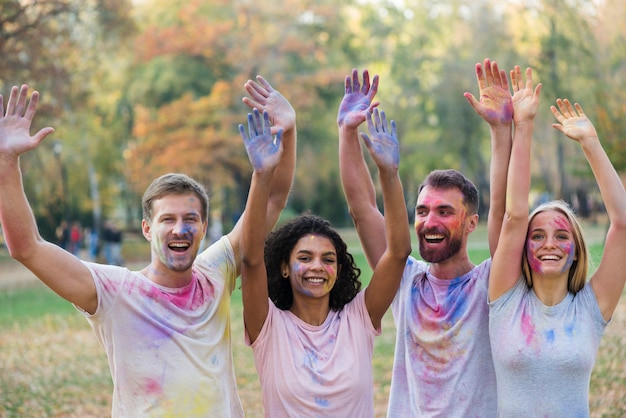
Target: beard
[{"x": 439, "y": 255}]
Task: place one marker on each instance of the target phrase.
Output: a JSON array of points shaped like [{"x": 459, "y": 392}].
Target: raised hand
[
  {"x": 572, "y": 121},
  {"x": 382, "y": 142},
  {"x": 495, "y": 105},
  {"x": 357, "y": 100},
  {"x": 15, "y": 138},
  {"x": 525, "y": 97},
  {"x": 264, "y": 151},
  {"x": 265, "y": 98}
]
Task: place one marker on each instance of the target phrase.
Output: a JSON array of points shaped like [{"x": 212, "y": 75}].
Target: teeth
[
  {"x": 314, "y": 280},
  {"x": 550, "y": 257},
  {"x": 433, "y": 237},
  {"x": 179, "y": 245}
]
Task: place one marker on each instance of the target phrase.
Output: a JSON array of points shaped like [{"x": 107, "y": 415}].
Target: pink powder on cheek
[
  {"x": 535, "y": 264},
  {"x": 330, "y": 270},
  {"x": 570, "y": 249}
]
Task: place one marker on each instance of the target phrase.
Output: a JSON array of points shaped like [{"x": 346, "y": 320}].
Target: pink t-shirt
[
  {"x": 317, "y": 371},
  {"x": 169, "y": 349}
]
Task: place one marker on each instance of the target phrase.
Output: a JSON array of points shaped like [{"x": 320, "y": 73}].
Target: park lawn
[{"x": 52, "y": 366}]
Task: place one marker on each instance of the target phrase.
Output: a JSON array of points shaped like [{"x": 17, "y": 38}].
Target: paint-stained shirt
[
  {"x": 169, "y": 349},
  {"x": 544, "y": 355},
  {"x": 442, "y": 365},
  {"x": 317, "y": 371}
]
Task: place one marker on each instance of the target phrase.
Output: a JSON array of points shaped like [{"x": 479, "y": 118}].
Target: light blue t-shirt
[
  {"x": 544, "y": 355},
  {"x": 442, "y": 364}
]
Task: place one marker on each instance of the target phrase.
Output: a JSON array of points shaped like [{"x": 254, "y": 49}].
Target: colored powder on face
[
  {"x": 535, "y": 264},
  {"x": 569, "y": 249}
]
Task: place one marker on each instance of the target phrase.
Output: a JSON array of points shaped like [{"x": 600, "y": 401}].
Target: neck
[
  {"x": 166, "y": 277},
  {"x": 455, "y": 266},
  {"x": 550, "y": 290},
  {"x": 312, "y": 312}
]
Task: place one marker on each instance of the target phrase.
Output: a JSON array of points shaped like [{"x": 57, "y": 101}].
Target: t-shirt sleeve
[{"x": 218, "y": 260}]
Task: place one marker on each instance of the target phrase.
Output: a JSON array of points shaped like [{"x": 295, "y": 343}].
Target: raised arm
[
  {"x": 507, "y": 261},
  {"x": 496, "y": 108},
  {"x": 282, "y": 118},
  {"x": 264, "y": 153},
  {"x": 382, "y": 144},
  {"x": 58, "y": 269},
  {"x": 355, "y": 176},
  {"x": 608, "y": 280}
]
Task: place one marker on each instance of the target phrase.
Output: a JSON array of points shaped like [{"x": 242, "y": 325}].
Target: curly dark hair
[{"x": 278, "y": 247}]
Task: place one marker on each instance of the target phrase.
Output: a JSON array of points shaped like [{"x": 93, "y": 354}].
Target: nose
[{"x": 179, "y": 227}]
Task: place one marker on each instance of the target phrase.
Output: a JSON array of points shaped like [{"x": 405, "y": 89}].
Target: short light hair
[
  {"x": 577, "y": 276},
  {"x": 173, "y": 183}
]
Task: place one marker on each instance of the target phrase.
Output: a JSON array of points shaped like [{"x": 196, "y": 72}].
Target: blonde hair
[{"x": 577, "y": 276}]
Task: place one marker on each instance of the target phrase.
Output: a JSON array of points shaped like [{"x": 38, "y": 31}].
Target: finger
[
  {"x": 39, "y": 136},
  {"x": 374, "y": 88},
  {"x": 377, "y": 123},
  {"x": 579, "y": 109},
  {"x": 348, "y": 85},
  {"x": 242, "y": 132},
  {"x": 366, "y": 83},
  {"x": 393, "y": 129},
  {"x": 488, "y": 72},
  {"x": 279, "y": 138},
  {"x": 471, "y": 99},
  {"x": 529, "y": 78},
  {"x": 32, "y": 106},
  {"x": 251, "y": 127},
  {"x": 12, "y": 101},
  {"x": 480, "y": 77},
  {"x": 258, "y": 122},
  {"x": 557, "y": 114},
  {"x": 383, "y": 121},
  {"x": 266, "y": 123},
  {"x": 495, "y": 74},
  {"x": 504, "y": 82},
  {"x": 257, "y": 92},
  {"x": 262, "y": 81},
  {"x": 558, "y": 127},
  {"x": 537, "y": 93},
  {"x": 356, "y": 85},
  {"x": 21, "y": 101},
  {"x": 252, "y": 103},
  {"x": 370, "y": 122},
  {"x": 569, "y": 108}
]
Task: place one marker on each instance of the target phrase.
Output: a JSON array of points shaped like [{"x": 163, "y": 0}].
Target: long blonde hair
[{"x": 577, "y": 276}]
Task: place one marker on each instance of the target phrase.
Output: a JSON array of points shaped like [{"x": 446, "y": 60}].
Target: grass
[{"x": 52, "y": 366}]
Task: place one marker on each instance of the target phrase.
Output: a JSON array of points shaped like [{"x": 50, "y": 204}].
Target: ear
[
  {"x": 472, "y": 223},
  {"x": 146, "y": 229},
  {"x": 284, "y": 270}
]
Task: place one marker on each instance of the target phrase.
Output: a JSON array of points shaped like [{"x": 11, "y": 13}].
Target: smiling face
[
  {"x": 550, "y": 246},
  {"x": 175, "y": 231},
  {"x": 441, "y": 223},
  {"x": 312, "y": 267}
]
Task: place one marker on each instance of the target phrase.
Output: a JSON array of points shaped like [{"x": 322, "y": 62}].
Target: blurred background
[{"x": 135, "y": 89}]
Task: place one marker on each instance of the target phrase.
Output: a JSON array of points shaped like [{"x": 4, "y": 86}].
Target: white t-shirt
[
  {"x": 317, "y": 371},
  {"x": 544, "y": 355},
  {"x": 169, "y": 350},
  {"x": 442, "y": 364}
]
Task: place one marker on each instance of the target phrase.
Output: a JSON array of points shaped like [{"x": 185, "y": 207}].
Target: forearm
[
  {"x": 16, "y": 217},
  {"x": 282, "y": 179},
  {"x": 609, "y": 182},
  {"x": 501, "y": 142},
  {"x": 396, "y": 218},
  {"x": 256, "y": 211},
  {"x": 355, "y": 176},
  {"x": 518, "y": 177}
]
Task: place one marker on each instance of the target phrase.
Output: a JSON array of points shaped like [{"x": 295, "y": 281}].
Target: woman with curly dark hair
[
  {"x": 278, "y": 247},
  {"x": 310, "y": 326}
]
